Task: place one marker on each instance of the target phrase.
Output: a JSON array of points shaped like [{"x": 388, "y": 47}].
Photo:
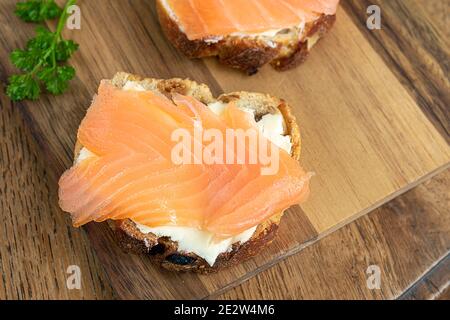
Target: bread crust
[
  {"x": 249, "y": 53},
  {"x": 162, "y": 250}
]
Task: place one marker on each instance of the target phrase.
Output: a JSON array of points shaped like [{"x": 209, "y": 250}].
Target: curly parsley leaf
[
  {"x": 35, "y": 49},
  {"x": 23, "y": 86},
  {"x": 42, "y": 41},
  {"x": 24, "y": 59},
  {"x": 56, "y": 80},
  {"x": 37, "y": 10},
  {"x": 65, "y": 49}
]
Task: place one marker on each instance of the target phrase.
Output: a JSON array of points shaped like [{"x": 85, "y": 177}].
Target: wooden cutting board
[{"x": 363, "y": 135}]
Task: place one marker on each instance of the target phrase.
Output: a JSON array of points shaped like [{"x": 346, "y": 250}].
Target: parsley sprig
[{"x": 43, "y": 61}]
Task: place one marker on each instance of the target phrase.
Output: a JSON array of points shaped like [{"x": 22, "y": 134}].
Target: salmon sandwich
[
  {"x": 247, "y": 34},
  {"x": 197, "y": 183}
]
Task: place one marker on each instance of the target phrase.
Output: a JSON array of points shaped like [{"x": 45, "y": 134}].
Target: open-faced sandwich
[
  {"x": 247, "y": 34},
  {"x": 176, "y": 173}
]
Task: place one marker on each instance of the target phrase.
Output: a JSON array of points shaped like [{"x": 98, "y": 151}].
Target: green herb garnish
[
  {"x": 37, "y": 10},
  {"x": 43, "y": 61}
]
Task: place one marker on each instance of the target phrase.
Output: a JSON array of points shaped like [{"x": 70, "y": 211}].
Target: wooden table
[{"x": 407, "y": 238}]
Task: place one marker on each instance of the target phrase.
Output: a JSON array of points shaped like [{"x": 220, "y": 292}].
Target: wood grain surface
[
  {"x": 405, "y": 238},
  {"x": 36, "y": 244},
  {"x": 434, "y": 285},
  {"x": 415, "y": 43},
  {"x": 113, "y": 55}
]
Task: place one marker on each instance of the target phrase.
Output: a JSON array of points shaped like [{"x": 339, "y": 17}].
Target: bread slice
[
  {"x": 163, "y": 250},
  {"x": 285, "y": 50}
]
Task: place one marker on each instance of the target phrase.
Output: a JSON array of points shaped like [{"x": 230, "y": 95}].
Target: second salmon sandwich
[
  {"x": 197, "y": 183},
  {"x": 247, "y": 34}
]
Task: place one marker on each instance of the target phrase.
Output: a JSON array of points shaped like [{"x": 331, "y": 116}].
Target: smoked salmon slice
[
  {"x": 132, "y": 173},
  {"x": 201, "y": 19}
]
